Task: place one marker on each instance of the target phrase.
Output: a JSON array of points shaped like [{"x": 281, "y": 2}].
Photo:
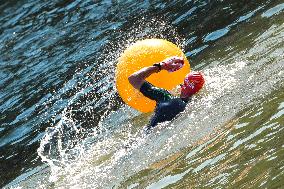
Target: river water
[{"x": 63, "y": 125}]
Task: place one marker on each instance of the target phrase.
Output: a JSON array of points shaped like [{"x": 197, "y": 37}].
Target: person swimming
[{"x": 168, "y": 106}]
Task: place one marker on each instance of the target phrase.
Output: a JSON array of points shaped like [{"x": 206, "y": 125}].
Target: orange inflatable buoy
[{"x": 146, "y": 53}]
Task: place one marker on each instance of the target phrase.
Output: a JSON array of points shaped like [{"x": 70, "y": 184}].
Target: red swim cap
[{"x": 193, "y": 82}]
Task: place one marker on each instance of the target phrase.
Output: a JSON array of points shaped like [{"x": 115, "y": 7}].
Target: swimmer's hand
[{"x": 172, "y": 64}]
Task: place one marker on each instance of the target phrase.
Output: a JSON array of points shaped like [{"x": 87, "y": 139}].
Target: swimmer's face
[{"x": 182, "y": 92}]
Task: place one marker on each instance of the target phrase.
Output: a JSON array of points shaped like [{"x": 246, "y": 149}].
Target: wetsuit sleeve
[{"x": 154, "y": 93}]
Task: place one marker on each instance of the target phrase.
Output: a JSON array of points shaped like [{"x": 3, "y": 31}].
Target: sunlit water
[{"x": 64, "y": 126}]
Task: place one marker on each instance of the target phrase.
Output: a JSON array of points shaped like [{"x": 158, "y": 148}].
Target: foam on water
[{"x": 123, "y": 151}]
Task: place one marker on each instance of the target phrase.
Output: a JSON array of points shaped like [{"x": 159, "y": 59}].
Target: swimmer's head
[{"x": 193, "y": 82}]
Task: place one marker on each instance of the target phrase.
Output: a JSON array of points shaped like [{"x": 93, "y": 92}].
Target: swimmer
[{"x": 167, "y": 105}]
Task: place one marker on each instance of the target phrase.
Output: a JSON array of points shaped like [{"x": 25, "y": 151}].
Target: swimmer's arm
[
  {"x": 170, "y": 64},
  {"x": 138, "y": 78}
]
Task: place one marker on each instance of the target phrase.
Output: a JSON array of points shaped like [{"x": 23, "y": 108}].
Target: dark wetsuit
[{"x": 167, "y": 106}]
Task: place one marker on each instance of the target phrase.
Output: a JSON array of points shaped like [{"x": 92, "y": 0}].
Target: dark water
[{"x": 63, "y": 124}]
